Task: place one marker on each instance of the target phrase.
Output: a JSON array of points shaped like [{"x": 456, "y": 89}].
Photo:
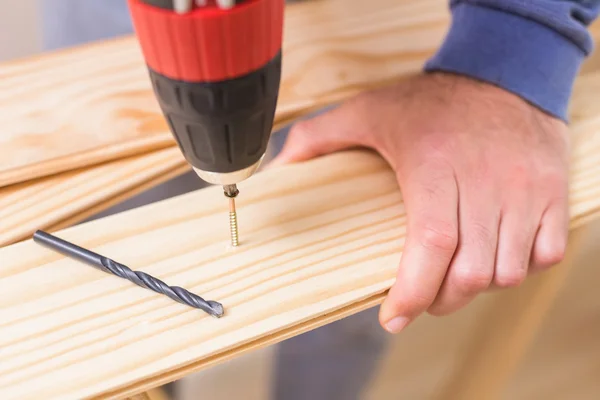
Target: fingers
[
  {"x": 551, "y": 240},
  {"x": 518, "y": 226},
  {"x": 332, "y": 131},
  {"x": 431, "y": 200},
  {"x": 472, "y": 268}
]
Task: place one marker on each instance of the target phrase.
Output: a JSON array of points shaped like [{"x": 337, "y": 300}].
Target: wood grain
[
  {"x": 58, "y": 201},
  {"x": 317, "y": 237},
  {"x": 78, "y": 107},
  {"x": 74, "y": 108}
]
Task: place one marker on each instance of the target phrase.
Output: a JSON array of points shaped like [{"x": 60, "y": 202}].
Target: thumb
[{"x": 332, "y": 131}]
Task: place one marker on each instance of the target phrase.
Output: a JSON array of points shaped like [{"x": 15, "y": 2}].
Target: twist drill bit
[
  {"x": 142, "y": 279},
  {"x": 231, "y": 191}
]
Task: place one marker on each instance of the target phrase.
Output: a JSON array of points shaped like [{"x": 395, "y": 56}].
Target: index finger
[{"x": 431, "y": 200}]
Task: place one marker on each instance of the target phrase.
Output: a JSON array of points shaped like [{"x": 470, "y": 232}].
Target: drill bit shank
[{"x": 142, "y": 279}]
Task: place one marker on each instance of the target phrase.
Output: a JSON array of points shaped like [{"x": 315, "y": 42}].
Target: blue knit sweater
[{"x": 533, "y": 48}]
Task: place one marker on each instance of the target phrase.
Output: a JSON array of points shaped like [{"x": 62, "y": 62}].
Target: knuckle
[
  {"x": 549, "y": 257},
  {"x": 441, "y": 237},
  {"x": 514, "y": 278},
  {"x": 472, "y": 281},
  {"x": 439, "y": 310},
  {"x": 415, "y": 302}
]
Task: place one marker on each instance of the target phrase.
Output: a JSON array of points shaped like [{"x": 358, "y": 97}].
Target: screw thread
[{"x": 233, "y": 228}]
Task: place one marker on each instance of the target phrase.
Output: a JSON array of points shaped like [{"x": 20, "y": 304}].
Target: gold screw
[
  {"x": 233, "y": 224},
  {"x": 231, "y": 192}
]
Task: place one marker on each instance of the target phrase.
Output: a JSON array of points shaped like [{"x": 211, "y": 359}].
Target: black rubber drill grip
[{"x": 221, "y": 126}]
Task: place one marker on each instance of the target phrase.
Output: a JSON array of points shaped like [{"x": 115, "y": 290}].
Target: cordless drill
[{"x": 215, "y": 67}]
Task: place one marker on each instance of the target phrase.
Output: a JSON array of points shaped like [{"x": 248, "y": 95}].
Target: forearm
[{"x": 533, "y": 49}]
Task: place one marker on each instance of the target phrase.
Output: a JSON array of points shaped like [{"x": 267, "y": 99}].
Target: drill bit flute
[{"x": 142, "y": 279}]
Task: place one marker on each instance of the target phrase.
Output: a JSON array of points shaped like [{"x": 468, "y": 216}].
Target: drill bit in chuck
[
  {"x": 231, "y": 191},
  {"x": 142, "y": 279}
]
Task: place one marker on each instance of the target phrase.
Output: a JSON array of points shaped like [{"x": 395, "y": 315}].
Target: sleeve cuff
[{"x": 512, "y": 52}]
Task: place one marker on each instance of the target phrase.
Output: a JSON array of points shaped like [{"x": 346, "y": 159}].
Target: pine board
[
  {"x": 57, "y": 201},
  {"x": 82, "y": 106},
  {"x": 319, "y": 240},
  {"x": 74, "y": 108}
]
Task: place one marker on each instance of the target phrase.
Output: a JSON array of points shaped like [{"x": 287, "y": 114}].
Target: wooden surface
[
  {"x": 58, "y": 201},
  {"x": 73, "y": 108},
  {"x": 81, "y": 106},
  {"x": 319, "y": 240}
]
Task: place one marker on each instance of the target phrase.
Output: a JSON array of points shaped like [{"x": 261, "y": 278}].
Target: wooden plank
[
  {"x": 55, "y": 110},
  {"x": 67, "y": 198},
  {"x": 119, "y": 198},
  {"x": 319, "y": 240},
  {"x": 82, "y": 106}
]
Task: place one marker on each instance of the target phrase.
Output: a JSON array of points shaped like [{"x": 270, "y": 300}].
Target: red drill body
[{"x": 216, "y": 74}]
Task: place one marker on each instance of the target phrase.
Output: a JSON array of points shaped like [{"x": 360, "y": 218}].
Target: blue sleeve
[
  {"x": 533, "y": 48},
  {"x": 67, "y": 23}
]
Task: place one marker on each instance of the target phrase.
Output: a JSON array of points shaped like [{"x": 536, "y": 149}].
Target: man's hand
[{"x": 483, "y": 176}]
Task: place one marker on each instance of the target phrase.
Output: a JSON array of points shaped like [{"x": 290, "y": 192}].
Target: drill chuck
[{"x": 216, "y": 74}]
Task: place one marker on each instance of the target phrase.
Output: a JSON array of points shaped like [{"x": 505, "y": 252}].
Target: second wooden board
[{"x": 50, "y": 202}]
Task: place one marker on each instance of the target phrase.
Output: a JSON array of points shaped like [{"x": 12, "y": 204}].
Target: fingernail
[{"x": 395, "y": 325}]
